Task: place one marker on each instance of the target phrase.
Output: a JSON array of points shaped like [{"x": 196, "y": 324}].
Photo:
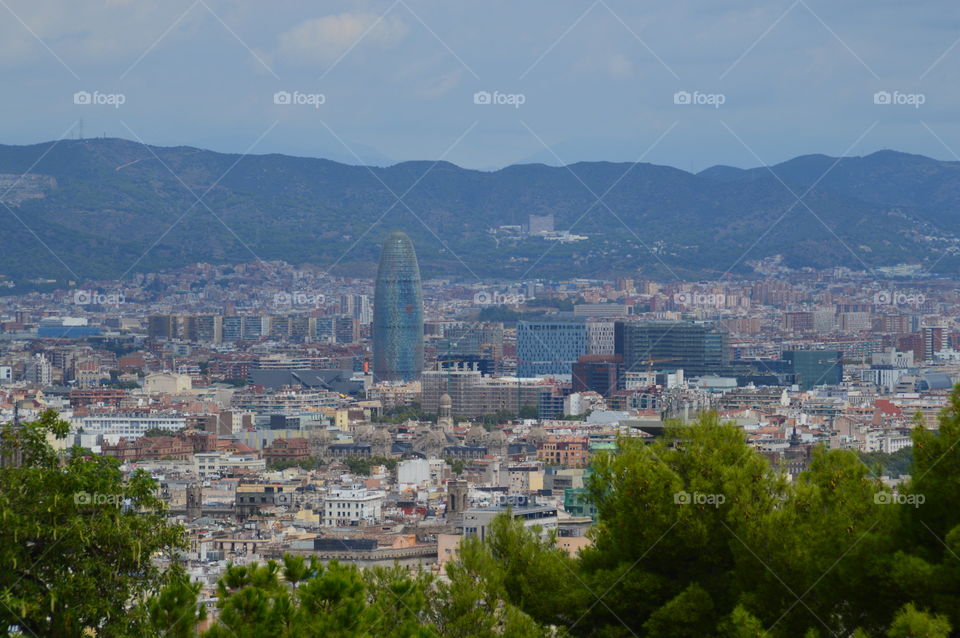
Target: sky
[{"x": 485, "y": 84}]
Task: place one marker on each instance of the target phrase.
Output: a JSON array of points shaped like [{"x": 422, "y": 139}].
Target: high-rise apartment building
[
  {"x": 162, "y": 327},
  {"x": 255, "y": 326},
  {"x": 347, "y": 330},
  {"x": 204, "y": 328},
  {"x": 357, "y": 307},
  {"x": 232, "y": 328}
]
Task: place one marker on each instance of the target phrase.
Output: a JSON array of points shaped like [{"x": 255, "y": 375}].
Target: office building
[
  {"x": 600, "y": 337},
  {"x": 356, "y": 307},
  {"x": 597, "y": 373},
  {"x": 815, "y": 367},
  {"x": 398, "y": 313},
  {"x": 696, "y": 348},
  {"x": 549, "y": 348}
]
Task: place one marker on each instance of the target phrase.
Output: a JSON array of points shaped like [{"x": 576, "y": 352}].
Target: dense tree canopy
[
  {"x": 77, "y": 542},
  {"x": 699, "y": 535}
]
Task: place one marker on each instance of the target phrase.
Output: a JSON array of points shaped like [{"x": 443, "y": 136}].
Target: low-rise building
[{"x": 353, "y": 506}]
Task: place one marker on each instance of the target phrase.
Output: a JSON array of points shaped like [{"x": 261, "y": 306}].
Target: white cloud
[{"x": 327, "y": 38}]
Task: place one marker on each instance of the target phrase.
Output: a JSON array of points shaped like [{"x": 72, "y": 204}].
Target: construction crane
[{"x": 650, "y": 362}]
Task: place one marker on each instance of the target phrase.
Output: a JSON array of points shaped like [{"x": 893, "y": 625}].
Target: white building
[
  {"x": 477, "y": 520},
  {"x": 116, "y": 426},
  {"x": 887, "y": 378},
  {"x": 413, "y": 471},
  {"x": 38, "y": 371},
  {"x": 346, "y": 507},
  {"x": 894, "y": 442},
  {"x": 891, "y": 357},
  {"x": 167, "y": 383},
  {"x": 208, "y": 464}
]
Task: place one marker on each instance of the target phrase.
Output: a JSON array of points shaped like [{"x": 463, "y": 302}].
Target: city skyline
[{"x": 477, "y": 319}]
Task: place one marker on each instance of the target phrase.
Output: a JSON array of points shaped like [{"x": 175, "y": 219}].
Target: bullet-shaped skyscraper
[{"x": 398, "y": 313}]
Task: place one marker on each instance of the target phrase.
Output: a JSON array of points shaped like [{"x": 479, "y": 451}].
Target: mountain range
[{"x": 104, "y": 208}]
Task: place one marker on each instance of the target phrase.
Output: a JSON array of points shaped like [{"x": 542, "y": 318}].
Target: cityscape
[{"x": 364, "y": 380}]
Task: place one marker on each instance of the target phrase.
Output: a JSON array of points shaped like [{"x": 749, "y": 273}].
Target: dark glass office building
[
  {"x": 815, "y": 367},
  {"x": 398, "y": 313},
  {"x": 698, "y": 348}
]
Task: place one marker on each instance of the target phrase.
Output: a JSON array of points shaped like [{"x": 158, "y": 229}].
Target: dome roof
[
  {"x": 475, "y": 435},
  {"x": 362, "y": 432},
  {"x": 496, "y": 438},
  {"x": 446, "y": 401},
  {"x": 435, "y": 438},
  {"x": 537, "y": 434}
]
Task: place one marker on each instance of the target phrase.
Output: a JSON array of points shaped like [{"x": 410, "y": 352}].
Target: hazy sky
[{"x": 398, "y": 78}]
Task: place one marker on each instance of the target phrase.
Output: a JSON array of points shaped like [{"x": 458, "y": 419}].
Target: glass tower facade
[
  {"x": 815, "y": 367},
  {"x": 398, "y": 313},
  {"x": 698, "y": 348},
  {"x": 546, "y": 347}
]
